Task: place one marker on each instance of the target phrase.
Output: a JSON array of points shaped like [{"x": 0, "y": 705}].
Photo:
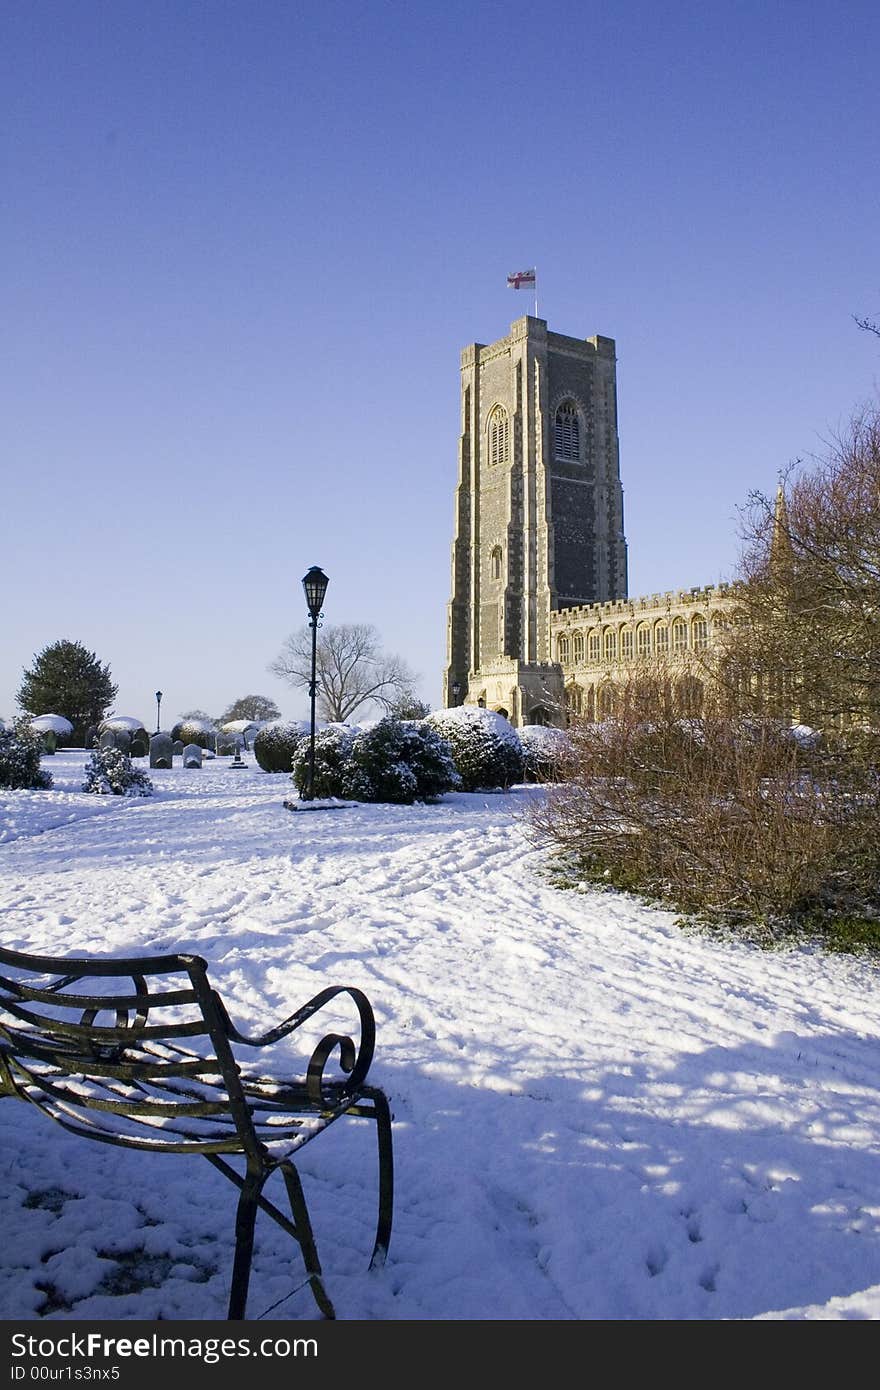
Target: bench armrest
[{"x": 354, "y": 1062}]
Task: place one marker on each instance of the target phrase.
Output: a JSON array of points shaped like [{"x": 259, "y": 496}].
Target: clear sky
[{"x": 242, "y": 246}]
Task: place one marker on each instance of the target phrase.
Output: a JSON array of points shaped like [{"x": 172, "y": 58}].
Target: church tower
[{"x": 538, "y": 513}]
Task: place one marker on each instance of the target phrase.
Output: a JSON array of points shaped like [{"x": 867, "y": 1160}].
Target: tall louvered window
[
  {"x": 499, "y": 436},
  {"x": 567, "y": 434}
]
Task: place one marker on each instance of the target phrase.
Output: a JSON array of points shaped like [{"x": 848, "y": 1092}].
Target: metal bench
[{"x": 142, "y": 1053}]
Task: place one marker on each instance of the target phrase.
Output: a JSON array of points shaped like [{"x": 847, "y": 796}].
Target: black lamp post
[
  {"x": 315, "y": 586},
  {"x": 158, "y": 707},
  {"x": 456, "y": 691}
]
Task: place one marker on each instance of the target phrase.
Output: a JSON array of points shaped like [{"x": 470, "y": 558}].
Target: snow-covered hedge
[
  {"x": 390, "y": 760},
  {"x": 399, "y": 761},
  {"x": 200, "y": 731},
  {"x": 485, "y": 748},
  {"x": 20, "y": 749},
  {"x": 109, "y": 771},
  {"x": 54, "y": 730},
  {"x": 333, "y": 745},
  {"x": 277, "y": 741},
  {"x": 544, "y": 752}
]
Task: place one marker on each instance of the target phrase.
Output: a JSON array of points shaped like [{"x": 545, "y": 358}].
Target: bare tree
[
  {"x": 810, "y": 596},
  {"x": 250, "y": 707},
  {"x": 351, "y": 669}
]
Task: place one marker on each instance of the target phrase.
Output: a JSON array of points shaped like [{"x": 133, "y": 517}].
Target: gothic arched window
[
  {"x": 567, "y": 432},
  {"x": 496, "y": 562},
  {"x": 499, "y": 436}
]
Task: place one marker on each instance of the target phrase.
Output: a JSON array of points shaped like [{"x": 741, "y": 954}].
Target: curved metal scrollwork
[{"x": 134, "y": 1026}]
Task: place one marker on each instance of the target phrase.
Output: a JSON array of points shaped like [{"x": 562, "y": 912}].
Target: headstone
[
  {"x": 177, "y": 748},
  {"x": 122, "y": 740},
  {"x": 140, "y": 744},
  {"x": 226, "y": 744},
  {"x": 237, "y": 760},
  {"x": 192, "y": 755},
  {"x": 161, "y": 750},
  {"x": 107, "y": 739}
]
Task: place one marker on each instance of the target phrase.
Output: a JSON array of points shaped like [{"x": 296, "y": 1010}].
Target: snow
[{"x": 598, "y": 1115}]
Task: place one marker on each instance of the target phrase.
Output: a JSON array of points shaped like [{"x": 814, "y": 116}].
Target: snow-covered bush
[
  {"x": 20, "y": 749},
  {"x": 200, "y": 731},
  {"x": 109, "y": 771},
  {"x": 56, "y": 731},
  {"x": 333, "y": 745},
  {"x": 398, "y": 761},
  {"x": 544, "y": 752},
  {"x": 276, "y": 743},
  {"x": 485, "y": 748},
  {"x": 390, "y": 760}
]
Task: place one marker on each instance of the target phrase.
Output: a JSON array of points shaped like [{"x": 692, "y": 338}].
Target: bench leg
[
  {"x": 245, "y": 1221},
  {"x": 305, "y": 1237},
  {"x": 386, "y": 1178}
]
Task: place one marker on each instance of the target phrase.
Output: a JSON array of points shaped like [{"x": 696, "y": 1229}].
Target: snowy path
[{"x": 597, "y": 1116}]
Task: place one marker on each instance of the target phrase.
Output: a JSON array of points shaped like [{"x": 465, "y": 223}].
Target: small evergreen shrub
[
  {"x": 199, "y": 731},
  {"x": 544, "y": 752},
  {"x": 276, "y": 743},
  {"x": 333, "y": 745},
  {"x": 398, "y": 761},
  {"x": 20, "y": 749},
  {"x": 485, "y": 748},
  {"x": 109, "y": 771}
]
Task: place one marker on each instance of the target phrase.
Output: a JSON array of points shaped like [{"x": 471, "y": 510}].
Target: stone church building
[{"x": 539, "y": 622}]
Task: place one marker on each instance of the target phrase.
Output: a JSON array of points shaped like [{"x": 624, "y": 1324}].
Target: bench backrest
[{"x": 134, "y": 1052}]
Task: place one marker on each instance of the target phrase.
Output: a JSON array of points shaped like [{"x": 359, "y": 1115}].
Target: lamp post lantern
[
  {"x": 456, "y": 691},
  {"x": 315, "y": 587},
  {"x": 158, "y": 707}
]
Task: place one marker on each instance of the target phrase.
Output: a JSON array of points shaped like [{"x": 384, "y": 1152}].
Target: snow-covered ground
[{"x": 597, "y": 1116}]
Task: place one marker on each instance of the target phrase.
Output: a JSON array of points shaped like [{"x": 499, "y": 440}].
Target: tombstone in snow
[
  {"x": 140, "y": 744},
  {"x": 192, "y": 755},
  {"x": 122, "y": 740},
  {"x": 226, "y": 744},
  {"x": 177, "y": 748},
  {"x": 237, "y": 761},
  {"x": 107, "y": 739},
  {"x": 161, "y": 750}
]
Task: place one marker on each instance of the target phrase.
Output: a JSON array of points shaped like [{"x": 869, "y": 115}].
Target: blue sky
[{"x": 243, "y": 245}]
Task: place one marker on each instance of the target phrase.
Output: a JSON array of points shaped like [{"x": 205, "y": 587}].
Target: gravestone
[
  {"x": 122, "y": 740},
  {"x": 192, "y": 755},
  {"x": 161, "y": 750},
  {"x": 177, "y": 748},
  {"x": 140, "y": 744},
  {"x": 226, "y": 744},
  {"x": 107, "y": 739}
]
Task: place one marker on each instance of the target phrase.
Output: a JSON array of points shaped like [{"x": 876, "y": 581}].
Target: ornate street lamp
[
  {"x": 315, "y": 586},
  {"x": 158, "y": 707},
  {"x": 456, "y": 691}
]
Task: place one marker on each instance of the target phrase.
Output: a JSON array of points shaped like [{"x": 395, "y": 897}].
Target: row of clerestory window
[{"x": 606, "y": 644}]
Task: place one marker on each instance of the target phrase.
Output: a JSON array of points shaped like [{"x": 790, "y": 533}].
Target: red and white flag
[{"x": 521, "y": 280}]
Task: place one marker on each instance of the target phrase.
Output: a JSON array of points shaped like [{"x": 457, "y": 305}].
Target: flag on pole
[{"x": 521, "y": 279}]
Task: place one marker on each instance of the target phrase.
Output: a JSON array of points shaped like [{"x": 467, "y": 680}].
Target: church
[{"x": 539, "y": 623}]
